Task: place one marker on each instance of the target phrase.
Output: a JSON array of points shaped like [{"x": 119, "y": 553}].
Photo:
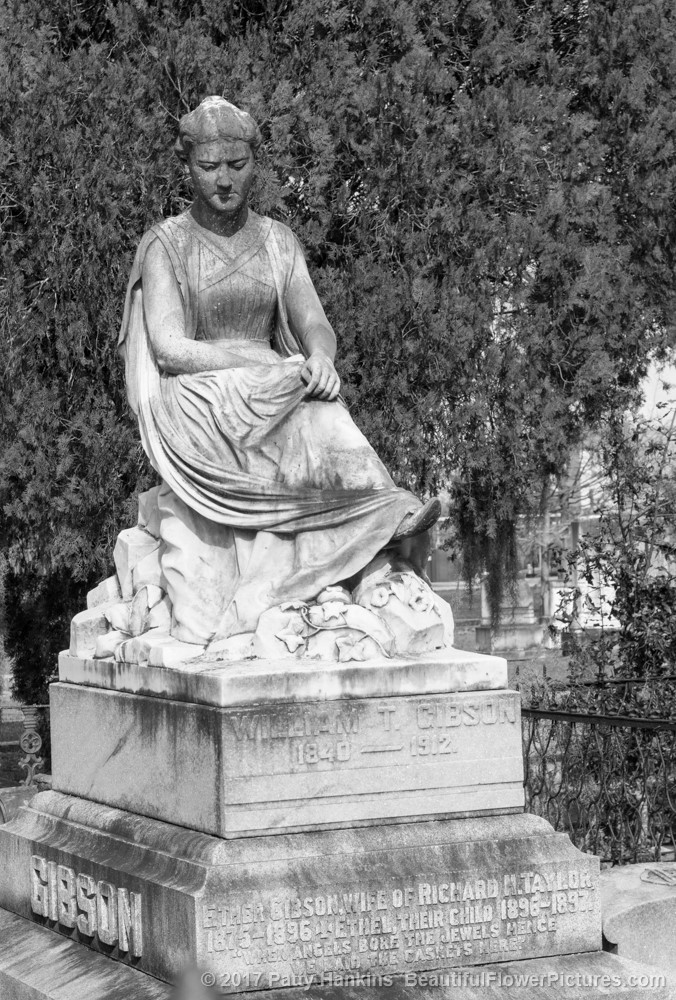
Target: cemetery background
[{"x": 485, "y": 195}]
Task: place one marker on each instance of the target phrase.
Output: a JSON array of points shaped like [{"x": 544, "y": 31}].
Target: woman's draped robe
[{"x": 267, "y": 495}]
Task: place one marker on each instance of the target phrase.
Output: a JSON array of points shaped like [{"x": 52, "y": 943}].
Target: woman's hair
[{"x": 215, "y": 118}]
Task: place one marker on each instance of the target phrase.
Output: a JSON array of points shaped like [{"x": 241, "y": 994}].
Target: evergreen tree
[{"x": 484, "y": 190}]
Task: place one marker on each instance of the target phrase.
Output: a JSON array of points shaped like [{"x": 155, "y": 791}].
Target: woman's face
[{"x": 222, "y": 172}]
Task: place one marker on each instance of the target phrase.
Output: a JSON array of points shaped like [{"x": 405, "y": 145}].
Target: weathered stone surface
[
  {"x": 132, "y": 546},
  {"x": 586, "y": 976},
  {"x": 378, "y": 570},
  {"x": 396, "y": 614},
  {"x": 446, "y": 614},
  {"x": 239, "y": 771},
  {"x": 108, "y": 643},
  {"x": 177, "y": 670},
  {"x": 235, "y": 647},
  {"x": 159, "y": 615},
  {"x": 154, "y": 644},
  {"x": 149, "y": 609},
  {"x": 148, "y": 571},
  {"x": 147, "y": 615},
  {"x": 138, "y": 612},
  {"x": 416, "y": 628},
  {"x": 148, "y": 511},
  {"x": 419, "y": 619},
  {"x": 136, "y": 649},
  {"x": 38, "y": 964},
  {"x": 332, "y": 630},
  {"x": 639, "y": 913},
  {"x": 334, "y": 593},
  {"x": 11, "y": 799},
  {"x": 107, "y": 591},
  {"x": 173, "y": 654},
  {"x": 155, "y": 594},
  {"x": 118, "y": 616},
  {"x": 389, "y": 900},
  {"x": 86, "y": 627}
]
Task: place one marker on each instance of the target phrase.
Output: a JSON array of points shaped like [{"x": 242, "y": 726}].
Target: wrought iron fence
[
  {"x": 609, "y": 781},
  {"x": 31, "y": 742}
]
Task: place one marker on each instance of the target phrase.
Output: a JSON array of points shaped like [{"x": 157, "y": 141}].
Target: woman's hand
[{"x": 320, "y": 376}]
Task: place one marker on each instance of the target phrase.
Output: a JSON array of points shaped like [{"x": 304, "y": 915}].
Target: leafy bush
[{"x": 631, "y": 557}]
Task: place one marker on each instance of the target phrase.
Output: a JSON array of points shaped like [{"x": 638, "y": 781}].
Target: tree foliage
[
  {"x": 625, "y": 569},
  {"x": 484, "y": 191}
]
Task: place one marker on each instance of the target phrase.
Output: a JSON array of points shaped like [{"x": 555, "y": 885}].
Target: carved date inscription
[
  {"x": 423, "y": 924},
  {"x": 345, "y": 736}
]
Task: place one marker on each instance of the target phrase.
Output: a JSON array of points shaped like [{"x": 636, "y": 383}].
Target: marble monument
[{"x": 269, "y": 761}]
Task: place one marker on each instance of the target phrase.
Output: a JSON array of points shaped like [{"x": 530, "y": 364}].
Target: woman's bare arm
[
  {"x": 308, "y": 321},
  {"x": 176, "y": 354}
]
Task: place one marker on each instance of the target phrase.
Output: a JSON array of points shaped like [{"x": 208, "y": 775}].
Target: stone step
[
  {"x": 589, "y": 976},
  {"x": 37, "y": 964}
]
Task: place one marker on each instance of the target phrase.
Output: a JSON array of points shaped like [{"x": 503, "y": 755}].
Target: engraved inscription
[
  {"x": 282, "y": 725},
  {"x": 444, "y": 714},
  {"x": 319, "y": 737},
  {"x": 425, "y": 923},
  {"x": 314, "y": 751},
  {"x": 94, "y": 908}
]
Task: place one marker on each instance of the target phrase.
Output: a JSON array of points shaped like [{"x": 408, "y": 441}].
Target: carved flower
[
  {"x": 421, "y": 602},
  {"x": 380, "y": 597},
  {"x": 412, "y": 591}
]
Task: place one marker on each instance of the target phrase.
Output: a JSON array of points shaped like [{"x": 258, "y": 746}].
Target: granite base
[
  {"x": 36, "y": 964},
  {"x": 263, "y": 912}
]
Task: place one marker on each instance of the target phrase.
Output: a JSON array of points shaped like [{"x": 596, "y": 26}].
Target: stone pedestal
[
  {"x": 262, "y": 911},
  {"x": 311, "y": 765},
  {"x": 276, "y": 824},
  {"x": 246, "y": 751}
]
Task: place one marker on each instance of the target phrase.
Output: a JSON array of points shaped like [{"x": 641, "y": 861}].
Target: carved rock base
[
  {"x": 391, "y": 611},
  {"x": 263, "y": 912}
]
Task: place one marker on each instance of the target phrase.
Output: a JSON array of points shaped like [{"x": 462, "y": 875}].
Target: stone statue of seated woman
[{"x": 274, "y": 516}]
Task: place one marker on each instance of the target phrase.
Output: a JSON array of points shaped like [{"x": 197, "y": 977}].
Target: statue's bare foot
[{"x": 420, "y": 520}]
